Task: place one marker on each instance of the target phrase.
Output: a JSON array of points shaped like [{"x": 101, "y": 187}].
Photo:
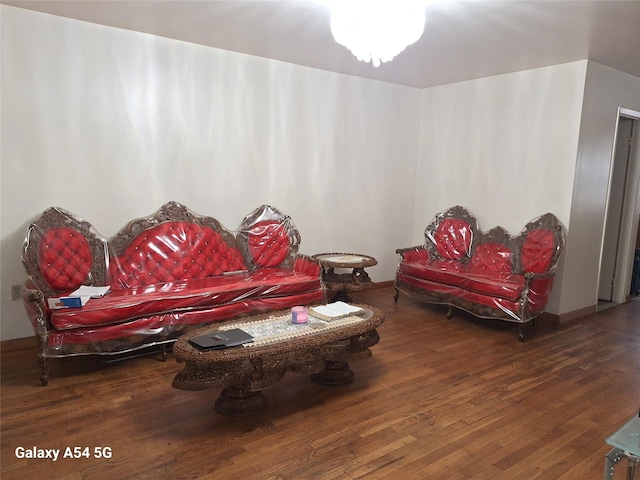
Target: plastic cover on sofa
[
  {"x": 489, "y": 274},
  {"x": 167, "y": 273}
]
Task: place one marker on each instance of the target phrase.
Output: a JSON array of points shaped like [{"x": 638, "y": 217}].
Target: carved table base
[
  {"x": 243, "y": 372},
  {"x": 236, "y": 401},
  {"x": 335, "y": 373}
]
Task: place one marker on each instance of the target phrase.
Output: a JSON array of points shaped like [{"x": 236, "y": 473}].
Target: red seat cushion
[
  {"x": 473, "y": 301},
  {"x": 185, "y": 295},
  {"x": 468, "y": 277},
  {"x": 167, "y": 325}
]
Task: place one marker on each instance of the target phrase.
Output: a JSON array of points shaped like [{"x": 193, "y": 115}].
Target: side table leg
[
  {"x": 334, "y": 373},
  {"x": 359, "y": 276},
  {"x": 236, "y": 401},
  {"x": 631, "y": 469},
  {"x": 341, "y": 295},
  {"x": 610, "y": 461}
]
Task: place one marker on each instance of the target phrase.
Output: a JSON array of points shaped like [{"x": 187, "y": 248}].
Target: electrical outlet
[{"x": 15, "y": 292}]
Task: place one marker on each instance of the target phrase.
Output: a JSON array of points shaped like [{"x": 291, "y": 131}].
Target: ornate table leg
[
  {"x": 336, "y": 372},
  {"x": 360, "y": 276},
  {"x": 236, "y": 401},
  {"x": 341, "y": 296}
]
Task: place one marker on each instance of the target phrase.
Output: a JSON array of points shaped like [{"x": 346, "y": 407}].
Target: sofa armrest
[
  {"x": 413, "y": 253},
  {"x": 535, "y": 294},
  {"x": 35, "y": 304},
  {"x": 306, "y": 265},
  {"x": 531, "y": 279},
  {"x": 531, "y": 275}
]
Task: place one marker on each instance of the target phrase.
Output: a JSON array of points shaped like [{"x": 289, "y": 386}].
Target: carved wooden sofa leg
[
  {"x": 397, "y": 294},
  {"x": 163, "y": 350},
  {"x": 450, "y": 312},
  {"x": 44, "y": 370},
  {"x": 526, "y": 329}
]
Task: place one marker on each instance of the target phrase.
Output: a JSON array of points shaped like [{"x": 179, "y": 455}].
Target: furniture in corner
[
  {"x": 489, "y": 274},
  {"x": 167, "y": 273},
  {"x": 342, "y": 283}
]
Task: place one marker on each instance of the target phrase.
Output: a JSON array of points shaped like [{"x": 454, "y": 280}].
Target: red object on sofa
[
  {"x": 489, "y": 274},
  {"x": 167, "y": 273}
]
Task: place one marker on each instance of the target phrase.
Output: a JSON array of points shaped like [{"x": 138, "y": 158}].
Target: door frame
[{"x": 630, "y": 211}]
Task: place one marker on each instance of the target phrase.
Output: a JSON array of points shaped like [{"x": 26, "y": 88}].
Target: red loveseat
[
  {"x": 489, "y": 274},
  {"x": 167, "y": 273}
]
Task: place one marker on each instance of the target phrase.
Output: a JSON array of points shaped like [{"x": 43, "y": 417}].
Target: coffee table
[{"x": 243, "y": 372}]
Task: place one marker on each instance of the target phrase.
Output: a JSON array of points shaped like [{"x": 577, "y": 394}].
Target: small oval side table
[{"x": 342, "y": 283}]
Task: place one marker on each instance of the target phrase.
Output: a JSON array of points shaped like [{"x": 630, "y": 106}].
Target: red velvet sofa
[
  {"x": 489, "y": 274},
  {"x": 167, "y": 273}
]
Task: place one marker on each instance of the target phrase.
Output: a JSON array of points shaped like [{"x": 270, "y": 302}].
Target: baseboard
[
  {"x": 377, "y": 285},
  {"x": 548, "y": 319},
  {"x": 575, "y": 314},
  {"x": 15, "y": 344}
]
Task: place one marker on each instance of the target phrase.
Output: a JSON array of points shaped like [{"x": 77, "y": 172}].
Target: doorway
[{"x": 621, "y": 223}]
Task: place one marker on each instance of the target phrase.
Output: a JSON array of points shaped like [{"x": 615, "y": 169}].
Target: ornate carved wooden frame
[
  {"x": 55, "y": 217},
  {"x": 169, "y": 212},
  {"x": 547, "y": 221},
  {"x": 456, "y": 212},
  {"x": 267, "y": 212}
]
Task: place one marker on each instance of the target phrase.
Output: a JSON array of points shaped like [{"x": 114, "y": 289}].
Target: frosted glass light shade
[{"x": 376, "y": 31}]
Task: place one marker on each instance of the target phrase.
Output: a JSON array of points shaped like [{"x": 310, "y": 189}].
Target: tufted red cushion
[
  {"x": 492, "y": 257},
  {"x": 64, "y": 258},
  {"x": 268, "y": 243},
  {"x": 453, "y": 239},
  {"x": 173, "y": 251},
  {"x": 537, "y": 250}
]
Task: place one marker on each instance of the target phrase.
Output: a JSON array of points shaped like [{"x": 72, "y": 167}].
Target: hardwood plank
[{"x": 439, "y": 398}]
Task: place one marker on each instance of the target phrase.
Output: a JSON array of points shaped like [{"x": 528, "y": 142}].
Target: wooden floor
[{"x": 439, "y": 399}]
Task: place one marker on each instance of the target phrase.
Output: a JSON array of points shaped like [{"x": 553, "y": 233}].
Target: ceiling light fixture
[{"x": 377, "y": 30}]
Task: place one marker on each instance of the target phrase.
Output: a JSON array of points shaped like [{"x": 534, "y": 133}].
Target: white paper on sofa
[{"x": 89, "y": 291}]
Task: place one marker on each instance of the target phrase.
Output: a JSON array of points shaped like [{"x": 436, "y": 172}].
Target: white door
[{"x": 618, "y": 183}]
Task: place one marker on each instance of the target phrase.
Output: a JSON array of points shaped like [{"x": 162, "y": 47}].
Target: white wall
[
  {"x": 504, "y": 147},
  {"x": 110, "y": 124},
  {"x": 606, "y": 90},
  {"x": 514, "y": 146}
]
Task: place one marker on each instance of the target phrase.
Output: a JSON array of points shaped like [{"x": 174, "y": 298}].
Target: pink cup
[{"x": 298, "y": 315}]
